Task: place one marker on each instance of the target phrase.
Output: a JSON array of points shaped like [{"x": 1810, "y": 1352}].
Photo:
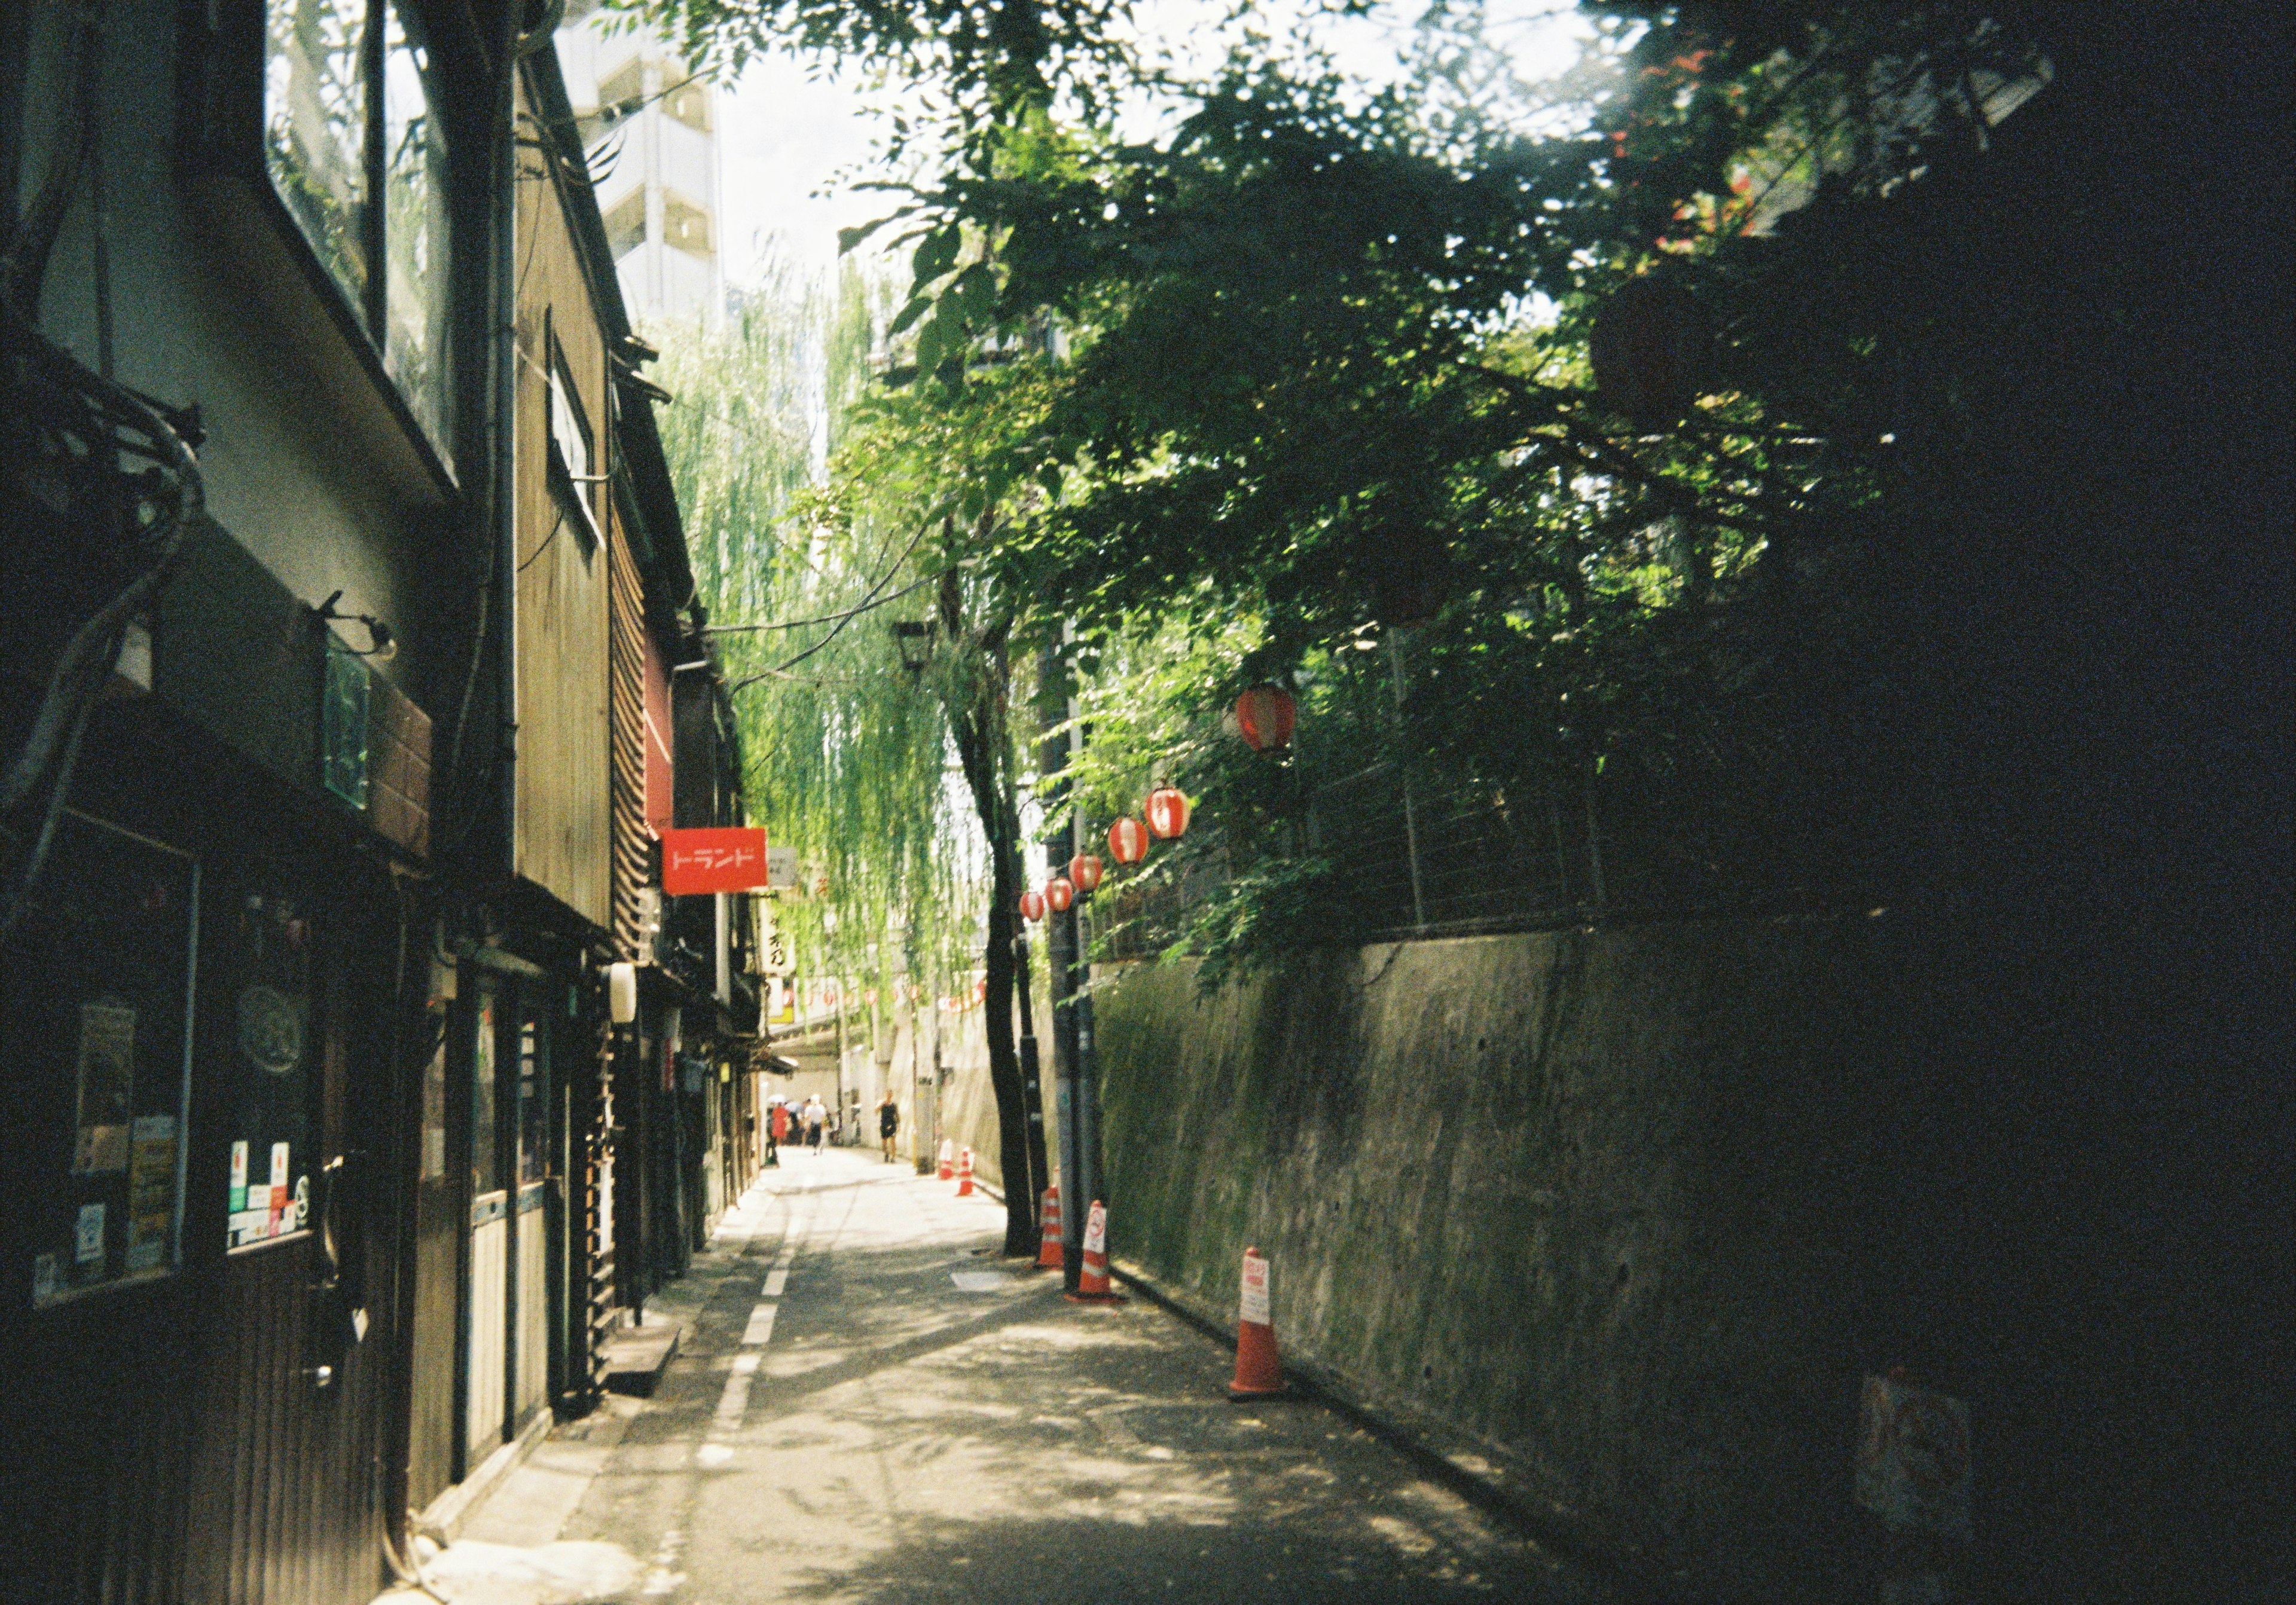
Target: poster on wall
[{"x": 106, "y": 1086}]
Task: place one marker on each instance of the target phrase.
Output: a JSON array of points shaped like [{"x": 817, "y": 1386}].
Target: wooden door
[
  {"x": 440, "y": 1218},
  {"x": 485, "y": 1338},
  {"x": 286, "y": 1502},
  {"x": 530, "y": 1359}
]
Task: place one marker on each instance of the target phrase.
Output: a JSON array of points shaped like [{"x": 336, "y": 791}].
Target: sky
[{"x": 791, "y": 131}]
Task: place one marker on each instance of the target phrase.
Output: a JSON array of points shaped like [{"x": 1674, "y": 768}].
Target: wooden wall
[
  {"x": 633, "y": 868},
  {"x": 564, "y": 830}
]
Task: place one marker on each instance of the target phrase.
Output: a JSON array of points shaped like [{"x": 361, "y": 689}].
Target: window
[
  {"x": 571, "y": 474},
  {"x": 356, "y": 151},
  {"x": 689, "y": 102},
  {"x": 626, "y": 225},
  {"x": 97, "y": 1024},
  {"x": 622, "y": 95},
  {"x": 415, "y": 222},
  {"x": 315, "y": 85},
  {"x": 688, "y": 226}
]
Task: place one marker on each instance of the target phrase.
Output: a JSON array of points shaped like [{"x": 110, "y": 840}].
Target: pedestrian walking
[
  {"x": 889, "y": 1123},
  {"x": 816, "y": 1122},
  {"x": 778, "y": 1129}
]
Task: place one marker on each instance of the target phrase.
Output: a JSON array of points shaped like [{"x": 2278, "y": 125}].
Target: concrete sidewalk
[{"x": 869, "y": 1406}]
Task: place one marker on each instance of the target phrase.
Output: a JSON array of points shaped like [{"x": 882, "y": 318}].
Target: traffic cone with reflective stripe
[
  {"x": 947, "y": 1158},
  {"x": 1257, "y": 1372},
  {"x": 965, "y": 1173},
  {"x": 1092, "y": 1286},
  {"x": 1048, "y": 1242}
]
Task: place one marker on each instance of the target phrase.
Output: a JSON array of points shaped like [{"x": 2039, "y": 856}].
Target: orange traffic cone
[
  {"x": 1257, "y": 1372},
  {"x": 1092, "y": 1287},
  {"x": 1048, "y": 1241},
  {"x": 947, "y": 1158},
  {"x": 965, "y": 1173}
]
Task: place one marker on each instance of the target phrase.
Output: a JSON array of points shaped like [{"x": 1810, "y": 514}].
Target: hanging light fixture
[
  {"x": 1032, "y": 905},
  {"x": 1265, "y": 717},
  {"x": 1085, "y": 871},
  {"x": 1059, "y": 894},
  {"x": 1127, "y": 840},
  {"x": 1167, "y": 813}
]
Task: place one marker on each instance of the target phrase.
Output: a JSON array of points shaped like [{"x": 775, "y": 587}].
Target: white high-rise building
[{"x": 650, "y": 127}]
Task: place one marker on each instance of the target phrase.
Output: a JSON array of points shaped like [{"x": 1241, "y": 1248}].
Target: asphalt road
[{"x": 870, "y": 1407}]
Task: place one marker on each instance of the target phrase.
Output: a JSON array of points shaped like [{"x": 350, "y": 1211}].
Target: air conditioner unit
[{"x": 650, "y": 926}]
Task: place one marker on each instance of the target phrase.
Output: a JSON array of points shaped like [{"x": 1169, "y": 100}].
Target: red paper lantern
[
  {"x": 1167, "y": 813},
  {"x": 1059, "y": 894},
  {"x": 1266, "y": 715},
  {"x": 1650, "y": 346},
  {"x": 1085, "y": 870},
  {"x": 1127, "y": 840},
  {"x": 1032, "y": 905}
]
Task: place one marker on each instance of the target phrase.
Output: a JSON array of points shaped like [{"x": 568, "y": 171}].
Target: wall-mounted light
[
  {"x": 381, "y": 642},
  {"x": 622, "y": 992}
]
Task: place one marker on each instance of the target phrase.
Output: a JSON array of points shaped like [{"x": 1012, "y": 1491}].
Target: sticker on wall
[
  {"x": 271, "y": 1029},
  {"x": 44, "y": 1278},
  {"x": 150, "y": 1191},
  {"x": 87, "y": 1239},
  {"x": 107, "y": 1087}
]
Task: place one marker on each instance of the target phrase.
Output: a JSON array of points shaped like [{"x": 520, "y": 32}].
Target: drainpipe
[{"x": 504, "y": 442}]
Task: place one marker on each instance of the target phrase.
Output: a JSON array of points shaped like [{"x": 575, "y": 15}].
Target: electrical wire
[
  {"x": 795, "y": 623},
  {"x": 790, "y": 663}
]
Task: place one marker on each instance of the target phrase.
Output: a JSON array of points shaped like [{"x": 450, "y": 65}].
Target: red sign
[{"x": 730, "y": 858}]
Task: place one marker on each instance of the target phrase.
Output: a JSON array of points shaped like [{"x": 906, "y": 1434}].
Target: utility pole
[
  {"x": 1032, "y": 1083},
  {"x": 1076, "y": 1095}
]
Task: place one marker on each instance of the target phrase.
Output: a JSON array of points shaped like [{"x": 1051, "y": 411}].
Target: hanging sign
[
  {"x": 727, "y": 859},
  {"x": 783, "y": 873},
  {"x": 773, "y": 955}
]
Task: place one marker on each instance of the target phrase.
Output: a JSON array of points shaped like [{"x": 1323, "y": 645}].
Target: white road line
[
  {"x": 776, "y": 1279},
  {"x": 761, "y": 1329}
]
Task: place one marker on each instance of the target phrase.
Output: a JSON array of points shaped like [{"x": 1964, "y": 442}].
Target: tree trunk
[
  {"x": 1003, "y": 1057},
  {"x": 983, "y": 749}
]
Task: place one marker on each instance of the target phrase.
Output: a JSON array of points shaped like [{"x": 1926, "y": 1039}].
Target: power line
[
  {"x": 866, "y": 602},
  {"x": 794, "y": 624}
]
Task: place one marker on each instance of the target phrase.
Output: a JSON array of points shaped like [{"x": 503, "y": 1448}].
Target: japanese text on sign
[{"x": 723, "y": 859}]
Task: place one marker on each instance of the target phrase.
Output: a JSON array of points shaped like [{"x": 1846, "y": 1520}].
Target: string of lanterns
[{"x": 1264, "y": 715}]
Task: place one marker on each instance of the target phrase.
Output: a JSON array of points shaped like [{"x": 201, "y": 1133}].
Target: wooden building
[{"x": 342, "y": 593}]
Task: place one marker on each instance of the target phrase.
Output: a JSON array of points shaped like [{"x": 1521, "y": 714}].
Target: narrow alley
[{"x": 868, "y": 1406}]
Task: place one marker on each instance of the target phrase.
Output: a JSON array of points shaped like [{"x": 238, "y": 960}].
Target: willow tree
[
  {"x": 845, "y": 761},
  {"x": 928, "y": 470}
]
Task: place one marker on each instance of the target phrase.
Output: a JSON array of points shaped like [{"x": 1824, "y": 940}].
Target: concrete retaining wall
[
  {"x": 1593, "y": 1197},
  {"x": 970, "y": 1099}
]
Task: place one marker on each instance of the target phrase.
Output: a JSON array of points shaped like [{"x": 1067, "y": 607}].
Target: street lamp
[{"x": 914, "y": 641}]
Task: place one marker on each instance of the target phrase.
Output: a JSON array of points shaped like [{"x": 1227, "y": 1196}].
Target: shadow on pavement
[{"x": 1088, "y": 1561}]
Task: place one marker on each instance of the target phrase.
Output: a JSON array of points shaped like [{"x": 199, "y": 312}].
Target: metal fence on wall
[{"x": 1414, "y": 861}]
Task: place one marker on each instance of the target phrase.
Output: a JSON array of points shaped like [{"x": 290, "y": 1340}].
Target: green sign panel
[{"x": 342, "y": 725}]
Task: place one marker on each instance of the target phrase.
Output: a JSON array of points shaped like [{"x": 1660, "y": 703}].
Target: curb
[
  {"x": 444, "y": 1516},
  {"x": 1468, "y": 1466}
]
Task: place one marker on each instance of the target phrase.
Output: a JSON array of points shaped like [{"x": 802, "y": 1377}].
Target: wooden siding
[
  {"x": 633, "y": 857},
  {"x": 533, "y": 1359},
  {"x": 563, "y": 824},
  {"x": 267, "y": 1520},
  {"x": 590, "y": 1201},
  {"x": 490, "y": 1328}
]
